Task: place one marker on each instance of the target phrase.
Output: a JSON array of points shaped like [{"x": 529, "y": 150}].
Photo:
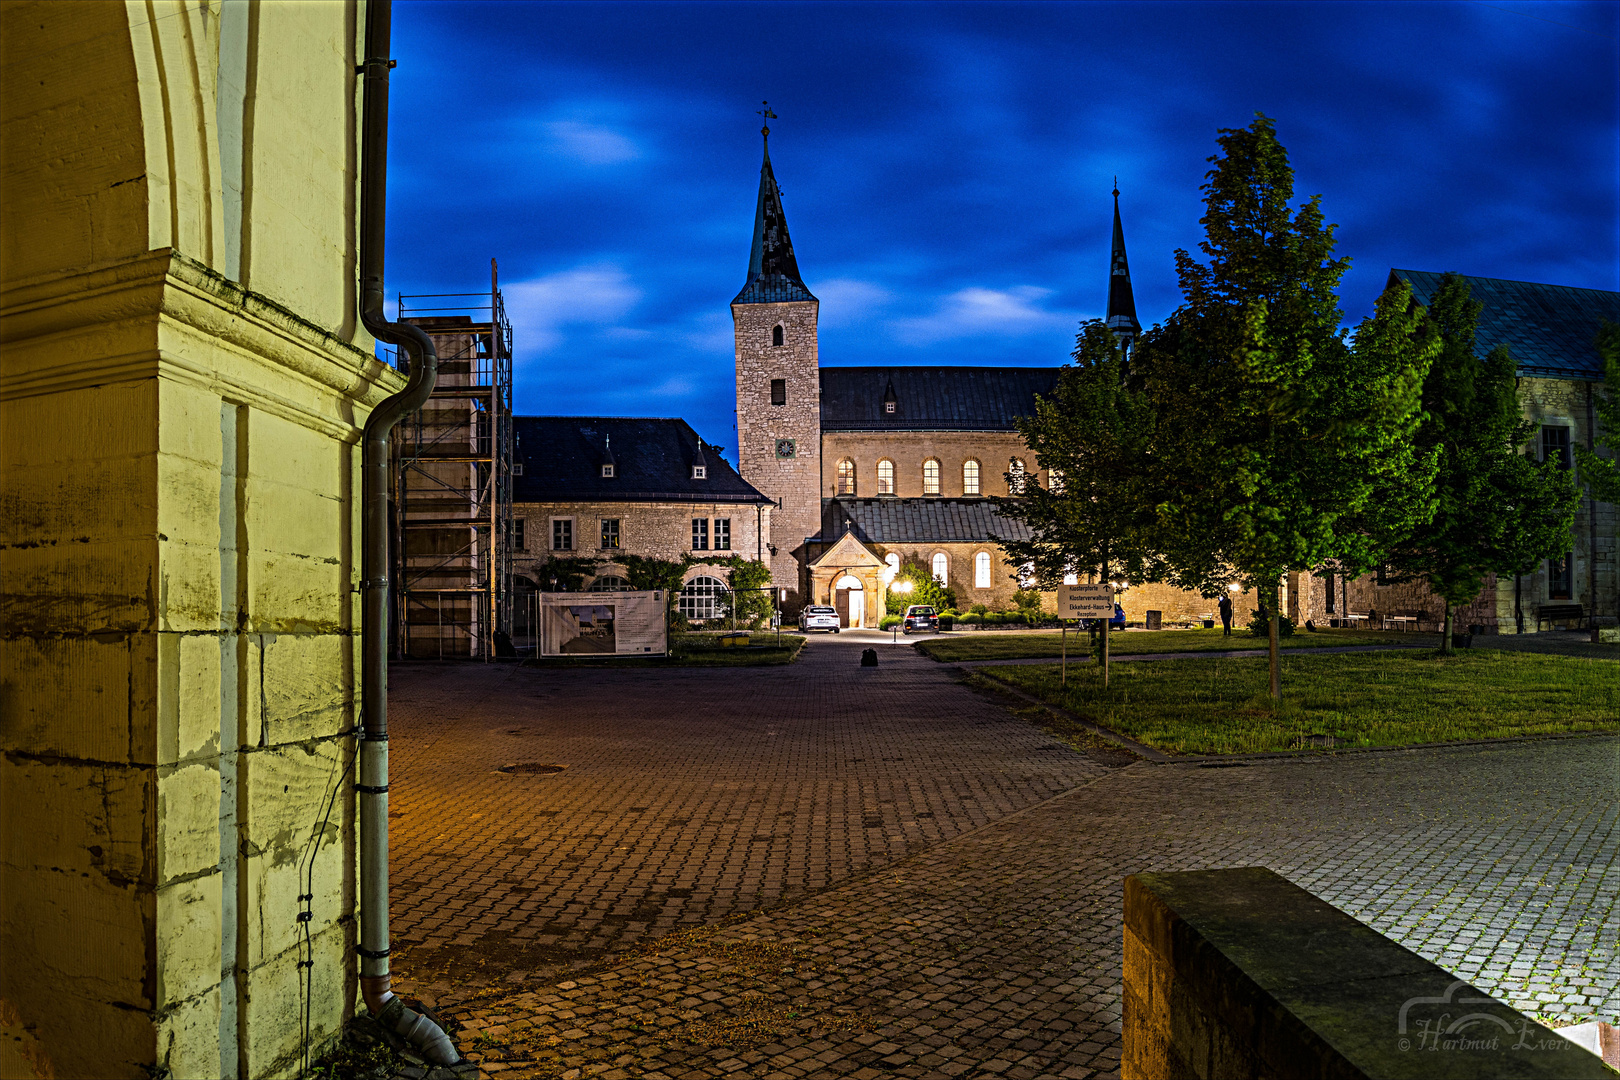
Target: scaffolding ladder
[{"x": 453, "y": 484}]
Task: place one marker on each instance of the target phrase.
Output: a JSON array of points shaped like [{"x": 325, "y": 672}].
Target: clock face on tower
[{"x": 786, "y": 448}]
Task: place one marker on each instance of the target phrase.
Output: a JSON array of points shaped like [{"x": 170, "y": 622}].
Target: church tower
[
  {"x": 1121, "y": 315},
  {"x": 779, "y": 385}
]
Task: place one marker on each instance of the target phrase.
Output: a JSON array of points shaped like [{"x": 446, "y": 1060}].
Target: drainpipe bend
[{"x": 372, "y": 786}]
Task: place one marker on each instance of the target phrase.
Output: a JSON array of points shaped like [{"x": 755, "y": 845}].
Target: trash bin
[{"x": 1155, "y": 620}]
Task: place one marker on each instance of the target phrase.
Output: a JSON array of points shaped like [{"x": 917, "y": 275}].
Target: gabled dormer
[
  {"x": 610, "y": 465},
  {"x": 700, "y": 463}
]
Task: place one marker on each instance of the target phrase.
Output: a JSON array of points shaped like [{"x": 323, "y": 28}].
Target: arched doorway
[{"x": 849, "y": 597}]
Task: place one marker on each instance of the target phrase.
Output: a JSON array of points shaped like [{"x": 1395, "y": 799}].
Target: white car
[{"x": 819, "y": 618}]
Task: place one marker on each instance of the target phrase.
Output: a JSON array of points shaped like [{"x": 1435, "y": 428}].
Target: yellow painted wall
[{"x": 182, "y": 386}]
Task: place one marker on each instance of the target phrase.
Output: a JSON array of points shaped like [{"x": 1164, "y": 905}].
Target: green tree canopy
[
  {"x": 924, "y": 589},
  {"x": 1602, "y": 475},
  {"x": 1497, "y": 511}
]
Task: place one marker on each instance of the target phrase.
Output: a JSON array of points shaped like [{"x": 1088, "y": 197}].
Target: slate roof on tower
[
  {"x": 1548, "y": 328},
  {"x": 562, "y": 458},
  {"x": 1121, "y": 314},
  {"x": 918, "y": 521},
  {"x": 930, "y": 398},
  {"x": 773, "y": 271}
]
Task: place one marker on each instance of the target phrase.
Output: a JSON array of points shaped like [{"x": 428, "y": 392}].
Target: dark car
[
  {"x": 1116, "y": 623},
  {"x": 920, "y": 618}
]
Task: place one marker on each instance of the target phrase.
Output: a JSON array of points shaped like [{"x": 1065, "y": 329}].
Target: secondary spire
[
  {"x": 1121, "y": 314},
  {"x": 773, "y": 271}
]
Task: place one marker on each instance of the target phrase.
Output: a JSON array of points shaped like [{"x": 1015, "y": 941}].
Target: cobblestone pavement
[{"x": 996, "y": 951}]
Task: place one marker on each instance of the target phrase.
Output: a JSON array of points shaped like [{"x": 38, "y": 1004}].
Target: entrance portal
[{"x": 849, "y": 597}]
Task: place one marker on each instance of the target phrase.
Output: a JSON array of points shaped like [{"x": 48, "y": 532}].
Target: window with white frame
[
  {"x": 942, "y": 568},
  {"x": 562, "y": 534},
  {"x": 970, "y": 477},
  {"x": 846, "y": 477},
  {"x": 609, "y": 583},
  {"x": 700, "y": 534},
  {"x": 1054, "y": 479},
  {"x": 722, "y": 534},
  {"x": 1015, "y": 476},
  {"x": 981, "y": 570},
  {"x": 885, "y": 477},
  {"x": 607, "y": 472},
  {"x": 610, "y": 532},
  {"x": 703, "y": 598},
  {"x": 930, "y": 477}
]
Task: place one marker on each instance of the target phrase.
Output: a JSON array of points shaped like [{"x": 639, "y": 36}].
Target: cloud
[
  {"x": 976, "y": 311},
  {"x": 540, "y": 309},
  {"x": 591, "y": 144}
]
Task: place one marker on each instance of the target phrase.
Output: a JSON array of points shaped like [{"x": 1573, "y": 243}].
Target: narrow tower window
[
  {"x": 885, "y": 477},
  {"x": 778, "y": 391},
  {"x": 930, "y": 477},
  {"x": 846, "y": 477},
  {"x": 970, "y": 477},
  {"x": 776, "y": 334}
]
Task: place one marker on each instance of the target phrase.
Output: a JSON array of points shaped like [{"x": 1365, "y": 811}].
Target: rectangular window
[
  {"x": 517, "y": 535},
  {"x": 610, "y": 532},
  {"x": 1328, "y": 578},
  {"x": 562, "y": 534},
  {"x": 778, "y": 391},
  {"x": 700, "y": 534},
  {"x": 1561, "y": 577},
  {"x": 722, "y": 534},
  {"x": 1555, "y": 443}
]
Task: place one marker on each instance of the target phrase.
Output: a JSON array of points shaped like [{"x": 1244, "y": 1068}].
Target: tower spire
[
  {"x": 1121, "y": 314},
  {"x": 773, "y": 271}
]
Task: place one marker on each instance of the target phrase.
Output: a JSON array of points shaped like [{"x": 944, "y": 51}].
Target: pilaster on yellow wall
[{"x": 182, "y": 387}]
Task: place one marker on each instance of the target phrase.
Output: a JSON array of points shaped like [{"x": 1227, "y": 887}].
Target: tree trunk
[
  {"x": 1276, "y": 653},
  {"x": 1445, "y": 632}
]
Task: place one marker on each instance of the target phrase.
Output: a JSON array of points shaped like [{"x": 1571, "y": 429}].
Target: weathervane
[{"x": 769, "y": 116}]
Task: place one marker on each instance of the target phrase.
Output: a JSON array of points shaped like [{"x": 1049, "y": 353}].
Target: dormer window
[
  {"x": 607, "y": 472},
  {"x": 776, "y": 334},
  {"x": 700, "y": 472},
  {"x": 888, "y": 406}
]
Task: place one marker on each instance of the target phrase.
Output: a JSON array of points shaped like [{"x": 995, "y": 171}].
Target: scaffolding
[{"x": 453, "y": 484}]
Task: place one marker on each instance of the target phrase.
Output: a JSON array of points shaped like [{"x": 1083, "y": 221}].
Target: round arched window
[
  {"x": 981, "y": 570},
  {"x": 885, "y": 477},
  {"x": 703, "y": 598},
  {"x": 942, "y": 568},
  {"x": 970, "y": 477},
  {"x": 846, "y": 477},
  {"x": 1015, "y": 476},
  {"x": 609, "y": 583},
  {"x": 930, "y": 477}
]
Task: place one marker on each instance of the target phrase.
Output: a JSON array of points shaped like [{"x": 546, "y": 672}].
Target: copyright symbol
[{"x": 1405, "y": 1044}]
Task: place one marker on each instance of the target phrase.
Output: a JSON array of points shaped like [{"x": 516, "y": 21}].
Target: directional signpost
[{"x": 1084, "y": 602}]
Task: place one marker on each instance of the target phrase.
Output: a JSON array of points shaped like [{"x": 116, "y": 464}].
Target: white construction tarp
[{"x": 604, "y": 624}]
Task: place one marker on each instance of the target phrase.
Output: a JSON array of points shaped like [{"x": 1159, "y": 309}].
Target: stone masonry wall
[
  {"x": 796, "y": 480},
  {"x": 654, "y": 530}
]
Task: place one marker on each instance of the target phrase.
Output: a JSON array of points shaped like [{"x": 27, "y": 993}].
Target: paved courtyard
[{"x": 823, "y": 870}]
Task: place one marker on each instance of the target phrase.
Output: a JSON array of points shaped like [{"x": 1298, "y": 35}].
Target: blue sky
[{"x": 946, "y": 168}]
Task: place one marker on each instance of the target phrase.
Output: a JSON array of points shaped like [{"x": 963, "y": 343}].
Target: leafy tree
[
  {"x": 1275, "y": 434},
  {"x": 564, "y": 573},
  {"x": 1602, "y": 475},
  {"x": 1496, "y": 510},
  {"x": 750, "y": 598},
  {"x": 1096, "y": 433},
  {"x": 924, "y": 589}
]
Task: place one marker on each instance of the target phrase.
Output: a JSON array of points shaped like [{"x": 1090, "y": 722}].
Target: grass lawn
[
  {"x": 1011, "y": 645},
  {"x": 1220, "y": 706},
  {"x": 693, "y": 650}
]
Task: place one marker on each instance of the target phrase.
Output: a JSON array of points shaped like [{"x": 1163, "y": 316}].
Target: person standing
[{"x": 1225, "y": 607}]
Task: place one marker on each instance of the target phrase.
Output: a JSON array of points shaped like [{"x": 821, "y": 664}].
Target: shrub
[
  {"x": 972, "y": 618},
  {"x": 888, "y": 621},
  {"x": 1028, "y": 601},
  {"x": 979, "y": 609},
  {"x": 1259, "y": 627}
]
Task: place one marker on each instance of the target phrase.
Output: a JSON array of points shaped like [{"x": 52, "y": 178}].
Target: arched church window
[
  {"x": 942, "y": 568},
  {"x": 885, "y": 477},
  {"x": 970, "y": 477},
  {"x": 1054, "y": 479},
  {"x": 846, "y": 477},
  {"x": 703, "y": 598},
  {"x": 931, "y": 477},
  {"x": 1015, "y": 476},
  {"x": 981, "y": 570},
  {"x": 776, "y": 334}
]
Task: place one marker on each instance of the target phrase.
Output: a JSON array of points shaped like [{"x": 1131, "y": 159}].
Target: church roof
[
  {"x": 918, "y": 521},
  {"x": 562, "y": 459},
  {"x": 773, "y": 271},
  {"x": 930, "y": 398},
  {"x": 1548, "y": 328}
]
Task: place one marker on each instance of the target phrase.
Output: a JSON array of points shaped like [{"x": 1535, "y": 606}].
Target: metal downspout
[{"x": 424, "y": 362}]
